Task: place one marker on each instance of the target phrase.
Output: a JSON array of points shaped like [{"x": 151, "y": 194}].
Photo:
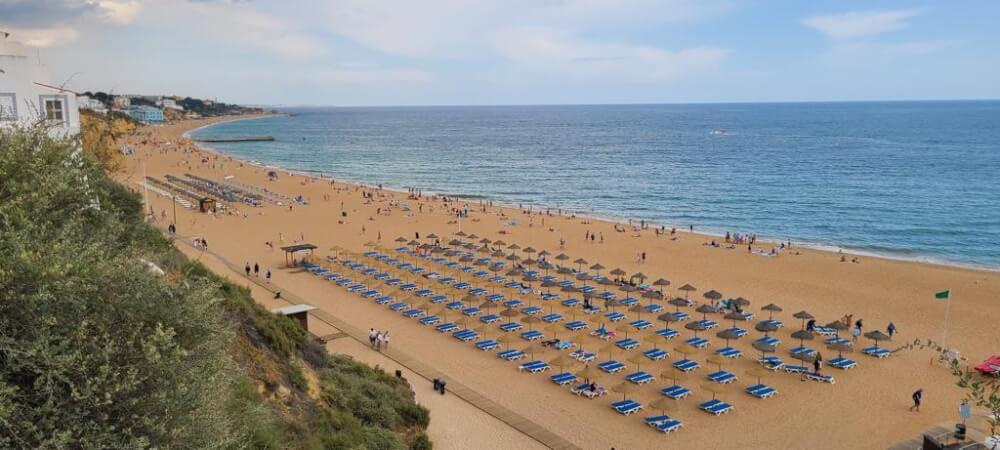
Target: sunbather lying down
[{"x": 550, "y": 342}]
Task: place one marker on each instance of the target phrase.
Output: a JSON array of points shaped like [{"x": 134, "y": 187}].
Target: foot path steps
[{"x": 515, "y": 420}]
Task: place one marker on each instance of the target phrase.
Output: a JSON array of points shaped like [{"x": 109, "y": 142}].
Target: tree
[{"x": 984, "y": 393}]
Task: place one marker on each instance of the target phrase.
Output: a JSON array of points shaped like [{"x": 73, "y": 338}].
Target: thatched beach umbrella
[
  {"x": 838, "y": 326},
  {"x": 705, "y": 309},
  {"x": 735, "y": 316},
  {"x": 758, "y": 373},
  {"x": 529, "y": 249},
  {"x": 674, "y": 375},
  {"x": 562, "y": 257},
  {"x": 553, "y": 328},
  {"x": 401, "y": 239},
  {"x": 561, "y": 361},
  {"x": 472, "y": 236},
  {"x": 739, "y": 301},
  {"x": 638, "y": 276},
  {"x": 771, "y": 308},
  {"x": 610, "y": 349},
  {"x": 764, "y": 348},
  {"x": 715, "y": 388},
  {"x": 510, "y": 313},
  {"x": 543, "y": 253},
  {"x": 717, "y": 360},
  {"x": 841, "y": 347},
  {"x": 597, "y": 268},
  {"x": 654, "y": 339},
  {"x": 461, "y": 234},
  {"x": 686, "y": 349},
  {"x": 637, "y": 359},
  {"x": 506, "y": 339},
  {"x": 667, "y": 317},
  {"x": 713, "y": 295},
  {"x": 531, "y": 349},
  {"x": 877, "y": 336},
  {"x": 653, "y": 295},
  {"x": 618, "y": 272},
  {"x": 804, "y": 315},
  {"x": 766, "y": 327},
  {"x": 728, "y": 335},
  {"x": 664, "y": 404},
  {"x": 687, "y": 289},
  {"x": 530, "y": 320},
  {"x": 625, "y": 388},
  {"x": 661, "y": 283},
  {"x": 623, "y": 328},
  {"x": 802, "y": 336},
  {"x": 588, "y": 373},
  {"x": 679, "y": 302},
  {"x": 580, "y": 262}
]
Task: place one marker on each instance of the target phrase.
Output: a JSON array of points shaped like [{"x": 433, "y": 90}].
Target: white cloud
[
  {"x": 563, "y": 53},
  {"x": 859, "y": 24},
  {"x": 118, "y": 12},
  {"x": 44, "y": 37}
]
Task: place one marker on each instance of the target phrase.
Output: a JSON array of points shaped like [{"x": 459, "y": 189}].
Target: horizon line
[{"x": 728, "y": 102}]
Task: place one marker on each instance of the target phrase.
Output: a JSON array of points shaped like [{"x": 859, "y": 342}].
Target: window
[
  {"x": 8, "y": 107},
  {"x": 54, "y": 110}
]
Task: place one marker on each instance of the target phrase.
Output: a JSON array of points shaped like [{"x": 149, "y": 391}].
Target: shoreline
[{"x": 709, "y": 233}]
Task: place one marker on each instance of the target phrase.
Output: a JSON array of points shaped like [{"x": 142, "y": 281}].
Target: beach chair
[
  {"x": 716, "y": 407},
  {"x": 552, "y": 318},
  {"x": 423, "y": 293},
  {"x": 512, "y": 303},
  {"x": 510, "y": 327},
  {"x": 563, "y": 345},
  {"x": 489, "y": 318},
  {"x": 408, "y": 287},
  {"x": 576, "y": 325},
  {"x": 384, "y": 300},
  {"x": 680, "y": 316},
  {"x": 729, "y": 352},
  {"x": 534, "y": 366},
  {"x": 708, "y": 323},
  {"x": 739, "y": 332},
  {"x": 480, "y": 274},
  {"x": 627, "y": 344},
  {"x": 381, "y": 276},
  {"x": 641, "y": 324},
  {"x": 588, "y": 289},
  {"x": 606, "y": 295},
  {"x": 803, "y": 351},
  {"x": 446, "y": 327},
  {"x": 563, "y": 378},
  {"x": 471, "y": 311},
  {"x": 697, "y": 342},
  {"x": 666, "y": 426},
  {"x": 446, "y": 280},
  {"x": 668, "y": 333},
  {"x": 590, "y": 311},
  {"x": 761, "y": 391},
  {"x": 653, "y": 308},
  {"x": 465, "y": 335},
  {"x": 824, "y": 331},
  {"x": 487, "y": 345},
  {"x": 655, "y": 354},
  {"x": 722, "y": 377},
  {"x": 611, "y": 366},
  {"x": 626, "y": 407},
  {"x": 511, "y": 355},
  {"x": 570, "y": 302},
  {"x": 582, "y": 355},
  {"x": 413, "y": 313},
  {"x": 332, "y": 277},
  {"x": 686, "y": 365},
  {"x": 430, "y": 320},
  {"x": 494, "y": 297},
  {"x": 462, "y": 285},
  {"x": 344, "y": 281},
  {"x": 371, "y": 293},
  {"x": 641, "y": 377},
  {"x": 841, "y": 363},
  {"x": 394, "y": 282},
  {"x": 878, "y": 352},
  {"x": 771, "y": 362},
  {"x": 547, "y": 296},
  {"x": 477, "y": 292},
  {"x": 615, "y": 316},
  {"x": 399, "y": 306},
  {"x": 532, "y": 335},
  {"x": 836, "y": 340},
  {"x": 675, "y": 392},
  {"x": 531, "y": 310},
  {"x": 813, "y": 376},
  {"x": 455, "y": 305},
  {"x": 769, "y": 340},
  {"x": 795, "y": 368},
  {"x": 629, "y": 301}
]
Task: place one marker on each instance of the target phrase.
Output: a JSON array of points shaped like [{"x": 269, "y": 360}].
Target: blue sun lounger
[
  {"x": 570, "y": 302},
  {"x": 534, "y": 366},
  {"x": 408, "y": 287},
  {"x": 655, "y": 354},
  {"x": 488, "y": 344},
  {"x": 877, "y": 352},
  {"x": 489, "y": 318},
  {"x": 547, "y": 296},
  {"x": 771, "y": 362},
  {"x": 381, "y": 276},
  {"x": 384, "y": 300},
  {"x": 587, "y": 289},
  {"x": 842, "y": 363},
  {"x": 332, "y": 277},
  {"x": 640, "y": 377},
  {"x": 729, "y": 352},
  {"x": 344, "y": 281},
  {"x": 477, "y": 291},
  {"x": 606, "y": 295},
  {"x": 722, "y": 377},
  {"x": 455, "y": 305},
  {"x": 465, "y": 335},
  {"x": 371, "y": 293},
  {"x": 512, "y": 284},
  {"x": 614, "y": 316},
  {"x": 582, "y": 355},
  {"x": 439, "y": 298},
  {"x": 802, "y": 351},
  {"x": 708, "y": 323},
  {"x": 532, "y": 335},
  {"x": 394, "y": 282},
  {"x": 641, "y": 324},
  {"x": 471, "y": 311},
  {"x": 626, "y": 407},
  {"x": 739, "y": 332},
  {"x": 511, "y": 355},
  {"x": 480, "y": 274},
  {"x": 824, "y": 331},
  {"x": 717, "y": 407},
  {"x": 370, "y": 271},
  {"x": 668, "y": 333},
  {"x": 411, "y": 313},
  {"x": 576, "y": 325},
  {"x": 423, "y": 293},
  {"x": 510, "y": 327},
  {"x": 531, "y": 310},
  {"x": 697, "y": 342},
  {"x": 563, "y": 345},
  {"x": 357, "y": 288},
  {"x": 675, "y": 392},
  {"x": 665, "y": 424},
  {"x": 813, "y": 376},
  {"x": 446, "y": 280},
  {"x": 400, "y": 306},
  {"x": 430, "y": 320},
  {"x": 611, "y": 366},
  {"x": 512, "y": 303},
  {"x": 761, "y": 391},
  {"x": 627, "y": 344},
  {"x": 653, "y": 308},
  {"x": 446, "y": 327},
  {"x": 680, "y": 316},
  {"x": 494, "y": 297},
  {"x": 628, "y": 301},
  {"x": 552, "y": 318},
  {"x": 837, "y": 340},
  {"x": 795, "y": 368},
  {"x": 563, "y": 378},
  {"x": 769, "y": 340},
  {"x": 462, "y": 285},
  {"x": 686, "y": 365}
]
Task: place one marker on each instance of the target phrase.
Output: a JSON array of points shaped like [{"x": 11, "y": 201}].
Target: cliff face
[{"x": 99, "y": 351}]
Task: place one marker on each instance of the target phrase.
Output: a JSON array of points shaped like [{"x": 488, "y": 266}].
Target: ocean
[{"x": 910, "y": 180}]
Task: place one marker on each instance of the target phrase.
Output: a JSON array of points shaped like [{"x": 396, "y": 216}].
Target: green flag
[{"x": 943, "y": 295}]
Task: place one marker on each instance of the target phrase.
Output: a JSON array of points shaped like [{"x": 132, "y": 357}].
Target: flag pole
[{"x": 947, "y": 311}]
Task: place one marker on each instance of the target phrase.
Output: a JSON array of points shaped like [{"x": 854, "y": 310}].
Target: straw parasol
[
  {"x": 529, "y": 249},
  {"x": 638, "y": 359},
  {"x": 653, "y": 339},
  {"x": 664, "y": 404},
  {"x": 686, "y": 349},
  {"x": 597, "y": 267},
  {"x": 766, "y": 327},
  {"x": 715, "y": 388},
  {"x": 728, "y": 335},
  {"x": 554, "y": 328},
  {"x": 705, "y": 310},
  {"x": 510, "y": 312},
  {"x": 499, "y": 243},
  {"x": 653, "y": 295},
  {"x": 764, "y": 348},
  {"x": 877, "y": 336},
  {"x": 617, "y": 272},
  {"x": 838, "y": 326},
  {"x": 713, "y": 295},
  {"x": 803, "y": 335},
  {"x": 695, "y": 326},
  {"x": 804, "y": 315},
  {"x": 609, "y": 348},
  {"x": 739, "y": 301},
  {"x": 624, "y": 388},
  {"x": 674, "y": 375},
  {"x": 841, "y": 347},
  {"x": 717, "y": 360},
  {"x": 679, "y": 302},
  {"x": 623, "y": 328},
  {"x": 734, "y": 316},
  {"x": 461, "y": 234},
  {"x": 562, "y": 360},
  {"x": 401, "y": 239},
  {"x": 530, "y": 320},
  {"x": 667, "y": 317},
  {"x": 588, "y": 373},
  {"x": 771, "y": 308},
  {"x": 532, "y": 348},
  {"x": 758, "y": 373},
  {"x": 506, "y": 339},
  {"x": 687, "y": 288},
  {"x": 562, "y": 257}
]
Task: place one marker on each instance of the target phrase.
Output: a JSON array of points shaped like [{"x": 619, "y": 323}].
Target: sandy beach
[{"x": 867, "y": 407}]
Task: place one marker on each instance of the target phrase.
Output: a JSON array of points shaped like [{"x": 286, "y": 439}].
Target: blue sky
[{"x": 405, "y": 52}]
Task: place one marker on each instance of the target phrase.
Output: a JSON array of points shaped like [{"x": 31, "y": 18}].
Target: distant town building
[
  {"x": 28, "y": 97},
  {"x": 91, "y": 104},
  {"x": 146, "y": 114},
  {"x": 121, "y": 102},
  {"x": 171, "y": 104}
]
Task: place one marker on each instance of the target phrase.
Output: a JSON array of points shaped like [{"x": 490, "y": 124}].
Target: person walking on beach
[
  {"x": 891, "y": 329},
  {"x": 859, "y": 325},
  {"x": 268, "y": 276},
  {"x": 247, "y": 269},
  {"x": 256, "y": 270},
  {"x": 644, "y": 257},
  {"x": 385, "y": 339},
  {"x": 918, "y": 395},
  {"x": 371, "y": 337}
]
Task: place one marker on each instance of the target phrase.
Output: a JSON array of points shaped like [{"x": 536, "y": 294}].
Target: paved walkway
[{"x": 515, "y": 420}]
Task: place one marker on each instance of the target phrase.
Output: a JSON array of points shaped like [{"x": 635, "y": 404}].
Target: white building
[
  {"x": 122, "y": 102},
  {"x": 27, "y": 96},
  {"x": 92, "y": 104},
  {"x": 170, "y": 103}
]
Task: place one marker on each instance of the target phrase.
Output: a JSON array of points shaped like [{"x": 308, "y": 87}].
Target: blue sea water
[{"x": 915, "y": 180}]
